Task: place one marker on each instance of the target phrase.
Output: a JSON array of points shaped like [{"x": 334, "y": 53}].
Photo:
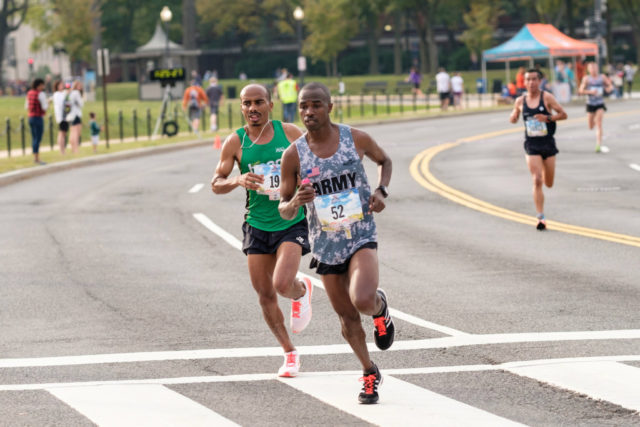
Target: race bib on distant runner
[
  {"x": 338, "y": 211},
  {"x": 271, "y": 185},
  {"x": 535, "y": 128}
]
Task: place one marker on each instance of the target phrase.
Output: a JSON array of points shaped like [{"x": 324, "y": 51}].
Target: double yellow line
[{"x": 420, "y": 171}]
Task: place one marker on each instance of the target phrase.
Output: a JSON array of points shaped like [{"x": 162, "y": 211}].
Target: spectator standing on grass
[
  {"x": 61, "y": 108},
  {"x": 571, "y": 78},
  {"x": 457, "y": 87},
  {"x": 520, "y": 87},
  {"x": 415, "y": 79},
  {"x": 95, "y": 129},
  {"x": 214, "y": 93},
  {"x": 629, "y": 72},
  {"x": 75, "y": 115},
  {"x": 287, "y": 91},
  {"x": 193, "y": 102},
  {"x": 37, "y": 105},
  {"x": 443, "y": 86}
]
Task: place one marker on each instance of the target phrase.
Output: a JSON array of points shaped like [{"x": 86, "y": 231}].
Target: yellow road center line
[{"x": 419, "y": 169}]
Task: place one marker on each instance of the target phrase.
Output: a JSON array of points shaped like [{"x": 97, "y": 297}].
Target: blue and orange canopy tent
[{"x": 535, "y": 41}]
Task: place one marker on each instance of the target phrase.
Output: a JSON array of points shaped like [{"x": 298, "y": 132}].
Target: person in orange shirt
[
  {"x": 194, "y": 101},
  {"x": 520, "y": 87}
]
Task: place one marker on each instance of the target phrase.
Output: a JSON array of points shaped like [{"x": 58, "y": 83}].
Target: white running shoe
[
  {"x": 301, "y": 309},
  {"x": 604, "y": 149},
  {"x": 291, "y": 365}
]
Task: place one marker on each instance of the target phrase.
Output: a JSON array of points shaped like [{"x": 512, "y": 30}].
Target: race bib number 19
[
  {"x": 338, "y": 211},
  {"x": 271, "y": 185}
]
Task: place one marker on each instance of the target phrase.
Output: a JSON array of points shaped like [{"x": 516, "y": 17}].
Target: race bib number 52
[{"x": 338, "y": 211}]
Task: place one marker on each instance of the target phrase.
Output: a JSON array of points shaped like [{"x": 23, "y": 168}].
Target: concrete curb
[{"x": 22, "y": 174}]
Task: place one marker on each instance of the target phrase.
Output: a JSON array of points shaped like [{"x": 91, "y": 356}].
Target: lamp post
[
  {"x": 165, "y": 17},
  {"x": 298, "y": 15}
]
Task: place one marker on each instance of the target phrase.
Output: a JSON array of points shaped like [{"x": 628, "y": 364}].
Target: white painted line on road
[
  {"x": 401, "y": 403},
  {"x": 223, "y": 353},
  {"x": 611, "y": 381},
  {"x": 138, "y": 405},
  {"x": 227, "y": 237},
  {"x": 508, "y": 366},
  {"x": 635, "y": 166},
  {"x": 196, "y": 188},
  {"x": 204, "y": 220},
  {"x": 634, "y": 126},
  {"x": 397, "y": 314}
]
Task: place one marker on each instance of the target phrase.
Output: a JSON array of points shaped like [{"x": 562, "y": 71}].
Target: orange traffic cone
[{"x": 216, "y": 143}]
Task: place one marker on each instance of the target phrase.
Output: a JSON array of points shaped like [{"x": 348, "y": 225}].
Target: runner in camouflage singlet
[
  {"x": 328, "y": 162},
  {"x": 341, "y": 206}
]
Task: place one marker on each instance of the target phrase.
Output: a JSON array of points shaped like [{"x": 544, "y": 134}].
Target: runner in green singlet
[{"x": 273, "y": 245}]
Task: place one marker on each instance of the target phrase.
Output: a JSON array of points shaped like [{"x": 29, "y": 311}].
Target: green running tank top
[{"x": 262, "y": 209}]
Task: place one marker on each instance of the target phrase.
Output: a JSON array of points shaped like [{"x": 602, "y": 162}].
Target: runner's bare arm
[
  {"x": 608, "y": 85},
  {"x": 515, "y": 113},
  {"x": 292, "y": 131},
  {"x": 554, "y": 106},
  {"x": 582, "y": 90},
  {"x": 367, "y": 146},
  {"x": 290, "y": 199},
  {"x": 221, "y": 183}
]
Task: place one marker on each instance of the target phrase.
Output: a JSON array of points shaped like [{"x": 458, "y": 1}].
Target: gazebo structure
[
  {"x": 535, "y": 41},
  {"x": 158, "y": 52}
]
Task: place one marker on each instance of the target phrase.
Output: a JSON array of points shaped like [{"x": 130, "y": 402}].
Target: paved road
[{"x": 123, "y": 301}]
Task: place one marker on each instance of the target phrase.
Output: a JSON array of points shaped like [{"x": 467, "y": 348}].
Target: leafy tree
[
  {"x": 128, "y": 24},
  {"x": 330, "y": 24},
  {"x": 423, "y": 15},
  {"x": 252, "y": 22},
  {"x": 631, "y": 9},
  {"x": 481, "y": 23},
  {"x": 370, "y": 13},
  {"x": 64, "y": 23},
  {"x": 12, "y": 15}
]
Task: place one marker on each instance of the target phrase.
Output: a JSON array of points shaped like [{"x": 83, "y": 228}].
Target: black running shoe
[
  {"x": 384, "y": 330},
  {"x": 542, "y": 225},
  {"x": 370, "y": 382}
]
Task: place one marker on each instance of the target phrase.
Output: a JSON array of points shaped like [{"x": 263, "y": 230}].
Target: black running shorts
[
  {"x": 63, "y": 126},
  {"x": 594, "y": 108},
  {"x": 258, "y": 241},
  {"x": 541, "y": 148},
  {"x": 323, "y": 269}
]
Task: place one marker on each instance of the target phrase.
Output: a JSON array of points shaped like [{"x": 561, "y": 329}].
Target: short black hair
[
  {"x": 318, "y": 86},
  {"x": 535, "y": 70},
  {"x": 37, "y": 82}
]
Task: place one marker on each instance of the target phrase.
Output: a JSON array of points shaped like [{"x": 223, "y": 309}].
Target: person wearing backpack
[
  {"x": 193, "y": 101},
  {"x": 61, "y": 107}
]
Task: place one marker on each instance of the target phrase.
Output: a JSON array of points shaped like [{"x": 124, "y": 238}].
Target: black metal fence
[{"x": 132, "y": 126}]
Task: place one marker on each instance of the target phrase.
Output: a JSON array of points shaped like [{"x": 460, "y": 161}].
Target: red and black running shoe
[
  {"x": 384, "y": 330},
  {"x": 370, "y": 382}
]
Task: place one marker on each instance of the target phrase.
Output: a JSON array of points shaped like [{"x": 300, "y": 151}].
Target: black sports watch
[{"x": 383, "y": 190}]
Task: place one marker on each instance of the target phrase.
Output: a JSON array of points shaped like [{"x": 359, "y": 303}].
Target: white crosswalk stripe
[
  {"x": 402, "y": 404},
  {"x": 611, "y": 381},
  {"x": 137, "y": 406},
  {"x": 151, "y": 403}
]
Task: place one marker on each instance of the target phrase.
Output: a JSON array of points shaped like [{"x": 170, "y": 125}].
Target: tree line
[{"x": 81, "y": 26}]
